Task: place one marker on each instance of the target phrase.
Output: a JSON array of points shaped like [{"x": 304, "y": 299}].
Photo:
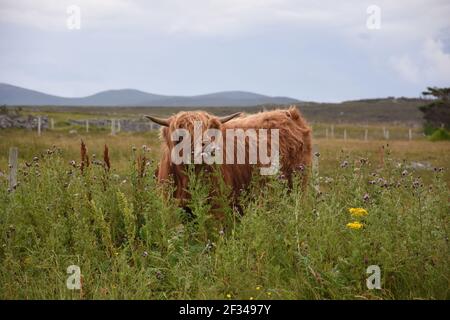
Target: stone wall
[
  {"x": 14, "y": 120},
  {"x": 26, "y": 122},
  {"x": 127, "y": 125}
]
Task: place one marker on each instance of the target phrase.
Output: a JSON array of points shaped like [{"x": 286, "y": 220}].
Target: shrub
[{"x": 440, "y": 135}]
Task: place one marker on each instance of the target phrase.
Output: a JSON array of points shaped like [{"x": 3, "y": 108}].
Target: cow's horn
[
  {"x": 160, "y": 121},
  {"x": 228, "y": 118}
]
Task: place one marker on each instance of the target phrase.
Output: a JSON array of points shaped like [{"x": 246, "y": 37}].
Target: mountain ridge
[{"x": 15, "y": 95}]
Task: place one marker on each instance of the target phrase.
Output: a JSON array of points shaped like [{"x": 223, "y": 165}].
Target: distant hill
[{"x": 15, "y": 96}]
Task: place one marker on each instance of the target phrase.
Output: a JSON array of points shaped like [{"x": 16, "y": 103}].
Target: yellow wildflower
[
  {"x": 258, "y": 288},
  {"x": 251, "y": 298},
  {"x": 355, "y": 225},
  {"x": 229, "y": 296},
  {"x": 269, "y": 294},
  {"x": 358, "y": 212}
]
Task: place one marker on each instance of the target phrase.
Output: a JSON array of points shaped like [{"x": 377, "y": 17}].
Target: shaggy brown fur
[{"x": 294, "y": 146}]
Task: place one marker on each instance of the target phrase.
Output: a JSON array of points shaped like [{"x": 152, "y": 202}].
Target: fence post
[
  {"x": 332, "y": 131},
  {"x": 410, "y": 134},
  {"x": 387, "y": 134},
  {"x": 326, "y": 133},
  {"x": 113, "y": 127},
  {"x": 13, "y": 165},
  {"x": 345, "y": 134},
  {"x": 87, "y": 125},
  {"x": 52, "y": 124},
  {"x": 39, "y": 126},
  {"x": 118, "y": 126},
  {"x": 366, "y": 135}
]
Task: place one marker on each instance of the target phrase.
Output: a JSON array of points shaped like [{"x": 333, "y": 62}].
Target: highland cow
[{"x": 293, "y": 145}]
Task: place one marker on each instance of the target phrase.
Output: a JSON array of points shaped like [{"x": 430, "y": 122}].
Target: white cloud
[
  {"x": 51, "y": 15},
  {"x": 172, "y": 39},
  {"x": 406, "y": 68},
  {"x": 437, "y": 62},
  {"x": 429, "y": 64},
  {"x": 222, "y": 17}
]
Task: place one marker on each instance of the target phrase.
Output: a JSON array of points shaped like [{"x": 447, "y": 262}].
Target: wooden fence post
[
  {"x": 345, "y": 134},
  {"x": 52, "y": 124},
  {"x": 118, "y": 126},
  {"x": 13, "y": 165},
  {"x": 87, "y": 125},
  {"x": 387, "y": 134},
  {"x": 332, "y": 131},
  {"x": 113, "y": 127},
  {"x": 410, "y": 134},
  {"x": 366, "y": 135},
  {"x": 39, "y": 126}
]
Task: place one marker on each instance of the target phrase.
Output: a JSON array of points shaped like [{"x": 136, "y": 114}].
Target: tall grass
[{"x": 132, "y": 241}]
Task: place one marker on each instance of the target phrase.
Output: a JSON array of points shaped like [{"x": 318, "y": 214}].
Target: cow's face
[{"x": 196, "y": 124}]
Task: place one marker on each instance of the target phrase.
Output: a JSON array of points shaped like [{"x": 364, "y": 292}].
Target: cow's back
[{"x": 295, "y": 144}]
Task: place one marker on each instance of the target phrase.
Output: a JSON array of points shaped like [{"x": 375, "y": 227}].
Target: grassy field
[
  {"x": 393, "y": 111},
  {"x": 411, "y": 153},
  {"x": 132, "y": 242}
]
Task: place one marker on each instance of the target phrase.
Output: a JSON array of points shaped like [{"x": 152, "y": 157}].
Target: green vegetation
[
  {"x": 131, "y": 241},
  {"x": 437, "y": 114},
  {"x": 440, "y": 134}
]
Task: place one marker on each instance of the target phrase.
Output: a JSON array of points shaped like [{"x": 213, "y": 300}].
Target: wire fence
[{"x": 367, "y": 133}]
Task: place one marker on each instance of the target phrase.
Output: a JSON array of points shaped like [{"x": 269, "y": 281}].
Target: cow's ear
[{"x": 214, "y": 123}]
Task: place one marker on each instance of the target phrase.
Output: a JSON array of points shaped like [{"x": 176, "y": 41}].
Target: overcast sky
[{"x": 310, "y": 50}]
